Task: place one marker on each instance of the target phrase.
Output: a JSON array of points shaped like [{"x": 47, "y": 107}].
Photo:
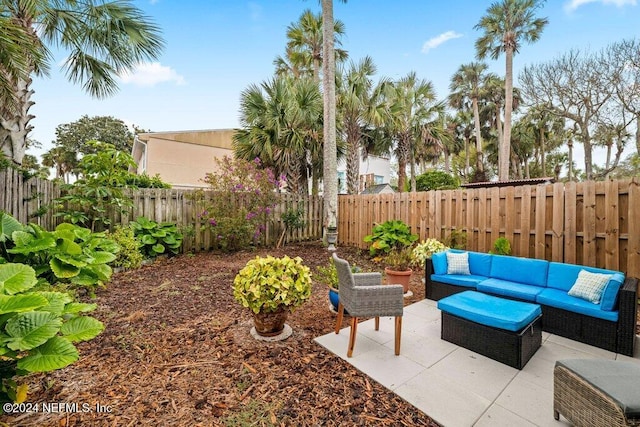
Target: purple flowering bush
[{"x": 243, "y": 194}]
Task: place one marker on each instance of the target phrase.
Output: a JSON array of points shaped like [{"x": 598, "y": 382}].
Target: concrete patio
[{"x": 453, "y": 385}]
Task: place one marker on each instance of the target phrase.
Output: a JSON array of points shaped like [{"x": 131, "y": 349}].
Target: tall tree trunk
[
  {"x": 402, "y": 153},
  {"x": 505, "y": 148},
  {"x": 543, "y": 154},
  {"x": 330, "y": 172},
  {"x": 14, "y": 126},
  {"x": 476, "y": 121},
  {"x": 412, "y": 169},
  {"x": 467, "y": 165},
  {"x": 499, "y": 130},
  {"x": 570, "y": 171},
  {"x": 353, "y": 163},
  {"x": 588, "y": 153},
  {"x": 638, "y": 133}
]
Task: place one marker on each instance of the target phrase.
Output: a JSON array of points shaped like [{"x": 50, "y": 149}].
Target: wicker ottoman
[
  {"x": 504, "y": 330},
  {"x": 604, "y": 393}
]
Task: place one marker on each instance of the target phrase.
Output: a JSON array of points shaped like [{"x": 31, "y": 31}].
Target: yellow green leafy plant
[{"x": 266, "y": 283}]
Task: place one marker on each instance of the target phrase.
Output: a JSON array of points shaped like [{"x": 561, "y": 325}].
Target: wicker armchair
[{"x": 364, "y": 295}]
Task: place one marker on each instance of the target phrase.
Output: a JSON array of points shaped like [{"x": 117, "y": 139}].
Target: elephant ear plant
[
  {"x": 157, "y": 239},
  {"x": 38, "y": 329},
  {"x": 69, "y": 254}
]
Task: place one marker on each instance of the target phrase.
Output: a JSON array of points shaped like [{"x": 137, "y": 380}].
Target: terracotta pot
[
  {"x": 272, "y": 323},
  {"x": 398, "y": 277}
]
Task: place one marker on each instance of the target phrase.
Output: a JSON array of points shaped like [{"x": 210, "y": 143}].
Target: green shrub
[
  {"x": 457, "y": 239},
  {"x": 37, "y": 329},
  {"x": 264, "y": 284},
  {"x": 244, "y": 195},
  {"x": 69, "y": 254},
  {"x": 130, "y": 255},
  {"x": 328, "y": 274},
  {"x": 388, "y": 236},
  {"x": 436, "y": 180},
  {"x": 501, "y": 246},
  {"x": 425, "y": 249},
  {"x": 157, "y": 239}
]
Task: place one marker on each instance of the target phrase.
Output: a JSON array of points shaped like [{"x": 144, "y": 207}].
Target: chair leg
[
  {"x": 377, "y": 323},
  {"x": 398, "y": 334},
  {"x": 339, "y": 318},
  {"x": 352, "y": 336}
]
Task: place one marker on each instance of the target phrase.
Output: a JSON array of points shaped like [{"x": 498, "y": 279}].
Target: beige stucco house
[{"x": 181, "y": 158}]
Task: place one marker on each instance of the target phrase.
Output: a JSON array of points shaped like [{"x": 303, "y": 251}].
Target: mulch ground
[{"x": 177, "y": 351}]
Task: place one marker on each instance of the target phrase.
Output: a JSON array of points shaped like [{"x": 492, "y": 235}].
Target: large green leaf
[
  {"x": 29, "y": 330},
  {"x": 22, "y": 238},
  {"x": 8, "y": 225},
  {"x": 16, "y": 278},
  {"x": 100, "y": 257},
  {"x": 101, "y": 271},
  {"x": 68, "y": 246},
  {"x": 158, "y": 249},
  {"x": 72, "y": 260},
  {"x": 78, "y": 307},
  {"x": 36, "y": 245},
  {"x": 56, "y": 301},
  {"x": 81, "y": 328},
  {"x": 21, "y": 303},
  {"x": 62, "y": 269},
  {"x": 56, "y": 353},
  {"x": 148, "y": 240}
]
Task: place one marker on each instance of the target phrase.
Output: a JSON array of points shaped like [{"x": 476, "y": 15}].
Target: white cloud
[
  {"x": 150, "y": 74},
  {"x": 436, "y": 41},
  {"x": 256, "y": 11},
  {"x": 572, "y": 5}
]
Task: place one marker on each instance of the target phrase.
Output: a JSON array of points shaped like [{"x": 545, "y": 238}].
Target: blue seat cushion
[
  {"x": 521, "y": 270},
  {"x": 479, "y": 263},
  {"x": 510, "y": 289},
  {"x": 469, "y": 280},
  {"x": 560, "y": 299},
  {"x": 563, "y": 276},
  {"x": 490, "y": 311}
]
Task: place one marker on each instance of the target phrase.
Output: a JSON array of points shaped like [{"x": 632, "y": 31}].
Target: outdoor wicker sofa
[{"x": 610, "y": 325}]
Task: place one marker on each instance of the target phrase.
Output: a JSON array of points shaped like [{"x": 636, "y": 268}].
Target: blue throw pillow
[
  {"x": 439, "y": 261},
  {"x": 610, "y": 294}
]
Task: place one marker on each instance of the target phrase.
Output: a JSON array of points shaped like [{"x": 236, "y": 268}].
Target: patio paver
[{"x": 455, "y": 386}]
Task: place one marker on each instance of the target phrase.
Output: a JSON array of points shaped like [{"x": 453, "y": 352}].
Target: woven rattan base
[
  {"x": 584, "y": 405},
  {"x": 511, "y": 348}
]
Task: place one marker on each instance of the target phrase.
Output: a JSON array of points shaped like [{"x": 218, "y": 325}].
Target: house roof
[
  {"x": 376, "y": 189},
  {"x": 221, "y": 138},
  {"x": 510, "y": 183}
]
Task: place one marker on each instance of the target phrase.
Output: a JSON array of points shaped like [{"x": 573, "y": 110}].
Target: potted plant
[
  {"x": 329, "y": 275},
  {"x": 271, "y": 288},
  {"x": 397, "y": 267},
  {"x": 425, "y": 249}
]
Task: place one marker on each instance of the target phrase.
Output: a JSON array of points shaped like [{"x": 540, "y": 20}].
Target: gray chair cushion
[{"x": 617, "y": 379}]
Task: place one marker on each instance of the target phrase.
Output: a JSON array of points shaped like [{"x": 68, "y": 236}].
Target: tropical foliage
[
  {"x": 157, "y": 239},
  {"x": 388, "y": 236},
  {"x": 265, "y": 284},
  {"x": 103, "y": 39}
]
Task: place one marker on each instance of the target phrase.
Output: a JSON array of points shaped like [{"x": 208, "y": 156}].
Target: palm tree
[
  {"x": 360, "y": 105},
  {"x": 281, "y": 125},
  {"x": 463, "y": 126},
  {"x": 506, "y": 24},
  {"x": 466, "y": 86},
  {"x": 304, "y": 48},
  {"x": 104, "y": 38},
  {"x": 330, "y": 160},
  {"x": 412, "y": 110}
]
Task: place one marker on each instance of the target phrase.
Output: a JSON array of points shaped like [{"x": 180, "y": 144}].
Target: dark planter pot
[
  {"x": 270, "y": 324},
  {"x": 398, "y": 277}
]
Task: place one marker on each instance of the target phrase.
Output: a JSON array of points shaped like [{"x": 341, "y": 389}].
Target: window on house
[{"x": 378, "y": 179}]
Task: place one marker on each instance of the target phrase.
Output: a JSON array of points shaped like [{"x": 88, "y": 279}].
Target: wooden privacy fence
[
  {"x": 588, "y": 223},
  {"x": 26, "y": 198}
]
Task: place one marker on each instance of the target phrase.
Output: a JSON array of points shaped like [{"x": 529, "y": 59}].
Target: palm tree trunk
[
  {"x": 499, "y": 130},
  {"x": 330, "y": 172},
  {"x": 467, "y": 165},
  {"x": 476, "y": 120},
  {"x": 505, "y": 148},
  {"x": 353, "y": 164},
  {"x": 403, "y": 156},
  {"x": 14, "y": 126}
]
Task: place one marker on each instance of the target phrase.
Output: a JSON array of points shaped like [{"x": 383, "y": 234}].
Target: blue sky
[{"x": 216, "y": 48}]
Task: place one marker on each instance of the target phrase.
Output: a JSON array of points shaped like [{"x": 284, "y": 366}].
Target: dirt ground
[{"x": 177, "y": 351}]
